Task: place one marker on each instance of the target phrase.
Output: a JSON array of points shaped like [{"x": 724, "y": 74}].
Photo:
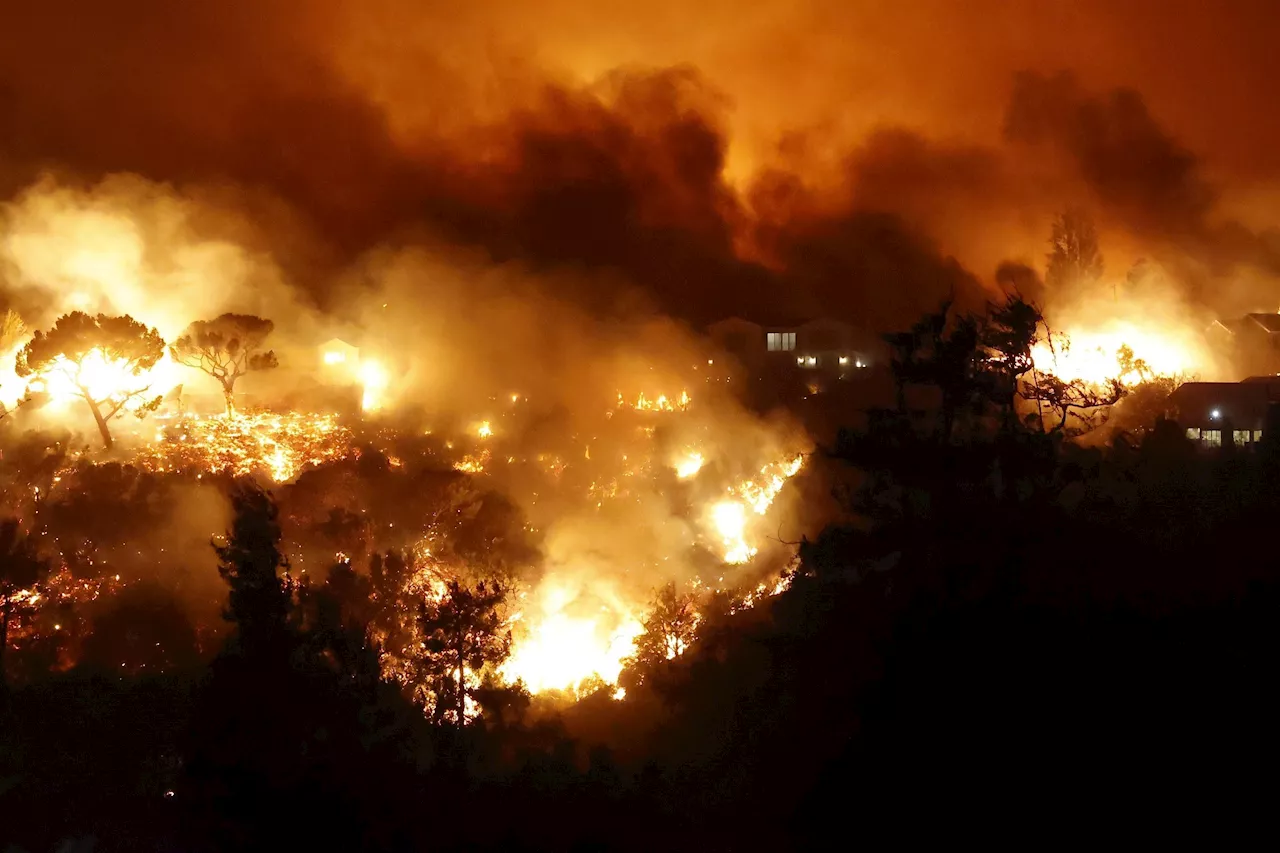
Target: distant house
[
  {"x": 742, "y": 339},
  {"x": 1251, "y": 341},
  {"x": 1224, "y": 414},
  {"x": 337, "y": 353},
  {"x": 831, "y": 346}
]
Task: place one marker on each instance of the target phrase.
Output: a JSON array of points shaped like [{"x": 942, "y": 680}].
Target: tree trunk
[
  {"x": 228, "y": 395},
  {"x": 4, "y": 644},
  {"x": 102, "y": 424},
  {"x": 462, "y": 686}
]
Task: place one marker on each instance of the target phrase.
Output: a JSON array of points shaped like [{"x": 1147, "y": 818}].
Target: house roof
[
  {"x": 780, "y": 322},
  {"x": 771, "y": 321},
  {"x": 1269, "y": 322},
  {"x": 1234, "y": 401}
]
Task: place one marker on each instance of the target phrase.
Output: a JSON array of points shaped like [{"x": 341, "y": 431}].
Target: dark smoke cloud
[
  {"x": 339, "y": 127},
  {"x": 1140, "y": 176},
  {"x": 1139, "y": 172},
  {"x": 627, "y": 176}
]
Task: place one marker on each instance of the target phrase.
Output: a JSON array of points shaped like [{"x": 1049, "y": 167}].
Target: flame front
[
  {"x": 560, "y": 651},
  {"x": 688, "y": 465},
  {"x": 373, "y": 382},
  {"x": 1093, "y": 354}
]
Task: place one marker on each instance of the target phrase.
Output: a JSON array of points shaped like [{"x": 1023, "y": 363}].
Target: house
[
  {"x": 743, "y": 339},
  {"x": 1252, "y": 342},
  {"x": 337, "y": 353},
  {"x": 831, "y": 347},
  {"x": 1225, "y": 414}
]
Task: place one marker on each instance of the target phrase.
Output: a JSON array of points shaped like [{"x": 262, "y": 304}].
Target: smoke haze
[{"x": 787, "y": 160}]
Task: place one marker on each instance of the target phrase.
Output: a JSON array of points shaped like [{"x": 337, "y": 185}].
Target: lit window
[
  {"x": 1240, "y": 436},
  {"x": 780, "y": 341},
  {"x": 844, "y": 359},
  {"x": 1194, "y": 433},
  {"x": 800, "y": 361},
  {"x": 1211, "y": 437},
  {"x": 812, "y": 361},
  {"x": 1257, "y": 435}
]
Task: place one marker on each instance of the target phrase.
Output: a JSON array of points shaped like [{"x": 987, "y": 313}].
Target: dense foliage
[{"x": 1002, "y": 627}]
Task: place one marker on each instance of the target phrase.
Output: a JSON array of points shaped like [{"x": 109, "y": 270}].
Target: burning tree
[
  {"x": 12, "y": 330},
  {"x": 226, "y": 348},
  {"x": 668, "y": 631},
  {"x": 20, "y": 568},
  {"x": 461, "y": 633},
  {"x": 103, "y": 360}
]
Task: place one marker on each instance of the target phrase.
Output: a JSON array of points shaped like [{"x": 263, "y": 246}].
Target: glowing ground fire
[{"x": 565, "y": 636}]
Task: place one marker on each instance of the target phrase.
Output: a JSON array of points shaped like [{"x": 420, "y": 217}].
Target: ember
[{"x": 280, "y": 445}]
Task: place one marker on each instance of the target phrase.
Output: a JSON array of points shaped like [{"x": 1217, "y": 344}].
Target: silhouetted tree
[
  {"x": 20, "y": 567},
  {"x": 669, "y": 630},
  {"x": 226, "y": 348},
  {"x": 103, "y": 359},
  {"x": 944, "y": 351},
  {"x": 250, "y": 563},
  {"x": 461, "y": 634},
  {"x": 1011, "y": 330},
  {"x": 1146, "y": 397},
  {"x": 1087, "y": 402},
  {"x": 1020, "y": 280},
  {"x": 1075, "y": 259}
]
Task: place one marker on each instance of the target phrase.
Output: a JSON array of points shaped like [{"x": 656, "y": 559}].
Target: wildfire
[
  {"x": 426, "y": 583},
  {"x": 759, "y": 494},
  {"x": 561, "y": 652},
  {"x": 102, "y": 377},
  {"x": 473, "y": 463},
  {"x": 565, "y": 637},
  {"x": 730, "y": 520},
  {"x": 246, "y": 443},
  {"x": 373, "y": 381},
  {"x": 570, "y": 642},
  {"x": 688, "y": 465},
  {"x": 662, "y": 403},
  {"x": 1094, "y": 355},
  {"x": 60, "y": 589}
]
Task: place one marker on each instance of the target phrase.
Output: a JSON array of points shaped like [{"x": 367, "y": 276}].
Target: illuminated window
[
  {"x": 1211, "y": 437},
  {"x": 1257, "y": 435},
  {"x": 780, "y": 341},
  {"x": 1194, "y": 433},
  {"x": 1240, "y": 436}
]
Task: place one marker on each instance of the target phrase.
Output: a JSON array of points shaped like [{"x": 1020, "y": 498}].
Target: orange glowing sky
[{"x": 494, "y": 121}]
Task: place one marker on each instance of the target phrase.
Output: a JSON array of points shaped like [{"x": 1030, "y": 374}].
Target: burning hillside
[
  {"x": 575, "y": 615},
  {"x": 584, "y": 501}
]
